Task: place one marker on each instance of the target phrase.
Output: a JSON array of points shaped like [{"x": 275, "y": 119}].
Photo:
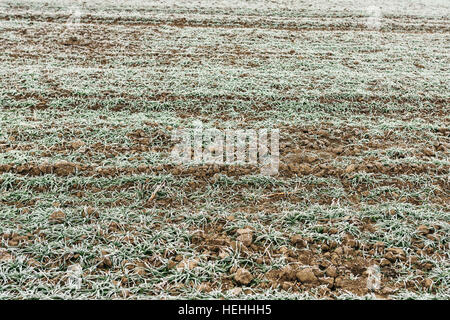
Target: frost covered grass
[{"x": 87, "y": 188}]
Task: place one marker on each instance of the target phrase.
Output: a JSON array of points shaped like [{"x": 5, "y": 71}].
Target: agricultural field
[{"x": 92, "y": 205}]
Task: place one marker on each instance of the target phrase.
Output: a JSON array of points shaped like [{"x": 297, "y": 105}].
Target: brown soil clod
[
  {"x": 57, "y": 217},
  {"x": 5, "y": 256},
  {"x": 243, "y": 276},
  {"x": 307, "y": 276},
  {"x": 245, "y": 236},
  {"x": 331, "y": 271}
]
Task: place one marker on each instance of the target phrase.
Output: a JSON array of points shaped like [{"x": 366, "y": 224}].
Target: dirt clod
[
  {"x": 350, "y": 168},
  {"x": 5, "y": 256},
  {"x": 428, "y": 152},
  {"x": 423, "y": 230},
  {"x": 328, "y": 281},
  {"x": 57, "y": 217},
  {"x": 331, "y": 271},
  {"x": 243, "y": 276},
  {"x": 76, "y": 144},
  {"x": 427, "y": 282},
  {"x": 298, "y": 241}
]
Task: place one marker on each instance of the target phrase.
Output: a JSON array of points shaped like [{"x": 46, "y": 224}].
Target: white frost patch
[{"x": 74, "y": 273}]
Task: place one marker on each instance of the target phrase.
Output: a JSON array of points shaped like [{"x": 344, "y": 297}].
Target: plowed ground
[{"x": 87, "y": 113}]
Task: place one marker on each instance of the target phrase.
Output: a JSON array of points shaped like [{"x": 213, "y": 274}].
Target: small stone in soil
[
  {"x": 57, "y": 217},
  {"x": 306, "y": 276}
]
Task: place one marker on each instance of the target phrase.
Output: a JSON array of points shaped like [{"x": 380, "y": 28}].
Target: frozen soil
[{"x": 88, "y": 189}]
